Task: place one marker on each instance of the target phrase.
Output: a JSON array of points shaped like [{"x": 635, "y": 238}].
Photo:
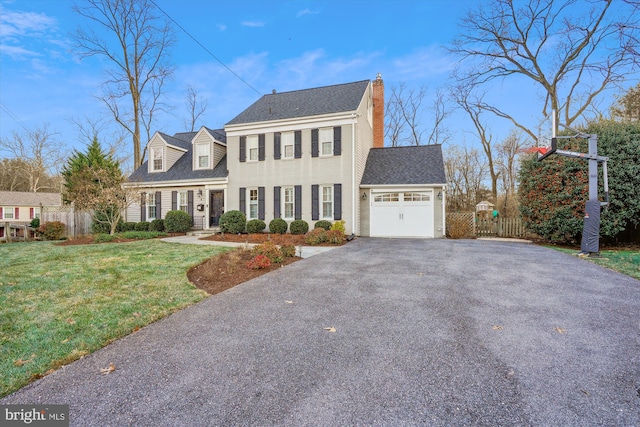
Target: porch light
[
  {"x": 200, "y": 193},
  {"x": 440, "y": 195},
  {"x": 364, "y": 196}
]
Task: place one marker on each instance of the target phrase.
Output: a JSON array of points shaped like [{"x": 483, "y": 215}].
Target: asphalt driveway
[{"x": 427, "y": 332}]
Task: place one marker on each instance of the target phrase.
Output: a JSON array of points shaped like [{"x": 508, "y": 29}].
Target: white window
[
  {"x": 287, "y": 145},
  {"x": 387, "y": 197},
  {"x": 202, "y": 156},
  {"x": 252, "y": 147},
  {"x": 157, "y": 155},
  {"x": 416, "y": 197},
  {"x": 327, "y": 202},
  {"x": 8, "y": 212},
  {"x": 183, "y": 201},
  {"x": 36, "y": 213},
  {"x": 326, "y": 142},
  {"x": 151, "y": 206},
  {"x": 289, "y": 203},
  {"x": 253, "y": 203}
]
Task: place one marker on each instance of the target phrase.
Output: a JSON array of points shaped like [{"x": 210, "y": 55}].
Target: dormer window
[
  {"x": 157, "y": 155},
  {"x": 202, "y": 156}
]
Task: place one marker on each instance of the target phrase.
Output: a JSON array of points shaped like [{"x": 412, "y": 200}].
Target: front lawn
[
  {"x": 624, "y": 261},
  {"x": 59, "y": 303}
]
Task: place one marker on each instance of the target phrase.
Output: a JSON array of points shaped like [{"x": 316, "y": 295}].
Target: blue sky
[{"x": 282, "y": 45}]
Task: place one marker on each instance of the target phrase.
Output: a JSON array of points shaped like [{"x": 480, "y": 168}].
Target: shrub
[
  {"x": 288, "y": 250},
  {"x": 52, "y": 230},
  {"x": 101, "y": 222},
  {"x": 278, "y": 226},
  {"x": 141, "y": 235},
  {"x": 35, "y": 223},
  {"x": 316, "y": 236},
  {"x": 233, "y": 222},
  {"x": 177, "y": 222},
  {"x": 156, "y": 225},
  {"x": 259, "y": 262},
  {"x": 256, "y": 226},
  {"x": 128, "y": 226},
  {"x": 323, "y": 223},
  {"x": 335, "y": 237},
  {"x": 270, "y": 250},
  {"x": 339, "y": 226},
  {"x": 142, "y": 226},
  {"x": 299, "y": 227},
  {"x": 104, "y": 238}
]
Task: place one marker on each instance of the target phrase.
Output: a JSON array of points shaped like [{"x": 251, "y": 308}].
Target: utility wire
[
  {"x": 205, "y": 49},
  {"x": 14, "y": 117}
]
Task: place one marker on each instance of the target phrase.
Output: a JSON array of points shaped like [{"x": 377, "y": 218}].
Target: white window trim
[
  {"x": 287, "y": 139},
  {"x": 207, "y": 148},
  {"x": 252, "y": 143},
  {"x": 186, "y": 201},
  {"x": 11, "y": 209},
  {"x": 154, "y": 150},
  {"x": 252, "y": 203},
  {"x": 322, "y": 202},
  {"x": 325, "y": 132},
  {"x": 151, "y": 205},
  {"x": 284, "y": 203}
]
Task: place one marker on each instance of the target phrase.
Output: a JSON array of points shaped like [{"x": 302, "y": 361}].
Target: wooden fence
[
  {"x": 466, "y": 225},
  {"x": 77, "y": 224}
]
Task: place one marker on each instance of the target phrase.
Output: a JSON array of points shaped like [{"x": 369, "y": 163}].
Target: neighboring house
[
  {"x": 485, "y": 209},
  {"x": 19, "y": 208},
  {"x": 304, "y": 154}
]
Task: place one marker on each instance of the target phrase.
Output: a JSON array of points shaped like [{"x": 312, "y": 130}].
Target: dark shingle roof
[
  {"x": 404, "y": 166},
  {"x": 182, "y": 169},
  {"x": 302, "y": 103}
]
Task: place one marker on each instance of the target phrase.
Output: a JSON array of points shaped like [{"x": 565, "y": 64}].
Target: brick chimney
[{"x": 378, "y": 112}]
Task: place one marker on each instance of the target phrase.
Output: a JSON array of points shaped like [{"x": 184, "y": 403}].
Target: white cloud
[
  {"x": 423, "y": 63},
  {"x": 16, "y": 52},
  {"x": 252, "y": 24},
  {"x": 306, "y": 12},
  {"x": 24, "y": 23}
]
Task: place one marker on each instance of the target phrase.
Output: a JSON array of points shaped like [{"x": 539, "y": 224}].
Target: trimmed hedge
[
  {"x": 177, "y": 222},
  {"x": 323, "y": 223},
  {"x": 157, "y": 225},
  {"x": 142, "y": 226},
  {"x": 278, "y": 226},
  {"x": 233, "y": 222},
  {"x": 299, "y": 226},
  {"x": 256, "y": 226}
]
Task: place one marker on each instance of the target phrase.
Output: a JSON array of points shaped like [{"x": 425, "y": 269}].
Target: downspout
[
  {"x": 354, "y": 192},
  {"x": 444, "y": 218}
]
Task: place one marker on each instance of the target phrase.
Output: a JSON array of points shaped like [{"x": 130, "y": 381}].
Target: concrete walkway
[
  {"x": 381, "y": 332},
  {"x": 302, "y": 251}
]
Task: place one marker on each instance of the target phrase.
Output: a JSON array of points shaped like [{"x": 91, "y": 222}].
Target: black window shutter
[
  {"x": 315, "y": 202},
  {"x": 174, "y": 200},
  {"x": 297, "y": 191},
  {"x": 143, "y": 207},
  {"x": 276, "y": 202},
  {"x": 243, "y": 202},
  {"x": 276, "y": 146},
  {"x": 261, "y": 203},
  {"x": 337, "y": 201},
  {"x": 297, "y": 144},
  {"x": 243, "y": 148},
  {"x": 261, "y": 154},
  {"x": 314, "y": 143},
  {"x": 158, "y": 204},
  {"x": 190, "y": 204},
  {"x": 337, "y": 141}
]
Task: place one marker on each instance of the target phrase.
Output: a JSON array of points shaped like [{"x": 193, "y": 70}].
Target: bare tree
[
  {"x": 465, "y": 173},
  {"x": 37, "y": 158},
  {"x": 404, "y": 115},
  {"x": 571, "y": 57},
  {"x": 196, "y": 108},
  {"x": 135, "y": 41},
  {"x": 627, "y": 107},
  {"x": 507, "y": 153},
  {"x": 473, "y": 107}
]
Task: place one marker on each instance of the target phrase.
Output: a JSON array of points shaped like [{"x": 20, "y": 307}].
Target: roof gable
[
  {"x": 405, "y": 166},
  {"x": 302, "y": 103}
]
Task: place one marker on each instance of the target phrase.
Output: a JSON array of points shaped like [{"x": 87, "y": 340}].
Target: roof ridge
[{"x": 316, "y": 88}]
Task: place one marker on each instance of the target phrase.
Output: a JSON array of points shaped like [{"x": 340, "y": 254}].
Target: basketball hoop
[{"x": 539, "y": 150}]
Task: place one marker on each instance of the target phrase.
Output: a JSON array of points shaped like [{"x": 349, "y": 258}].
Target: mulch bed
[{"x": 278, "y": 239}]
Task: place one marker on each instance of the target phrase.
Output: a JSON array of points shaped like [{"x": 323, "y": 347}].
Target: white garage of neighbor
[{"x": 403, "y": 192}]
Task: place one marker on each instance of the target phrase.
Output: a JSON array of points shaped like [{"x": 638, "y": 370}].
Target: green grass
[
  {"x": 625, "y": 262},
  {"x": 59, "y": 303}
]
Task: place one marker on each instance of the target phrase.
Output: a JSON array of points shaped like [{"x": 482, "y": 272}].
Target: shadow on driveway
[{"x": 427, "y": 332}]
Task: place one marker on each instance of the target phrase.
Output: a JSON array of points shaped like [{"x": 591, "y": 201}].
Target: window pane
[
  {"x": 326, "y": 141},
  {"x": 327, "y": 148},
  {"x": 253, "y": 203},
  {"x": 8, "y": 213},
  {"x": 288, "y": 202},
  {"x": 288, "y": 150},
  {"x": 183, "y": 203},
  {"x": 327, "y": 202},
  {"x": 203, "y": 161}
]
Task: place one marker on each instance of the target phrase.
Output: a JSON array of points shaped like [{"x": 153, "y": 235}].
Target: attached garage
[
  {"x": 402, "y": 214},
  {"x": 402, "y": 192}
]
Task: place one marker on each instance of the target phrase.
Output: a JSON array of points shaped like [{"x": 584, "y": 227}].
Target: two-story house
[{"x": 309, "y": 154}]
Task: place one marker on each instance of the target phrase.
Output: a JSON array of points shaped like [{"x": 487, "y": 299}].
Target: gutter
[{"x": 354, "y": 192}]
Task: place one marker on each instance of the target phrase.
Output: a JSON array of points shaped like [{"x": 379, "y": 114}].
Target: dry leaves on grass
[{"x": 21, "y": 362}]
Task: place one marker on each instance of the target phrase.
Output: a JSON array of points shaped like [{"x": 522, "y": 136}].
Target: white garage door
[{"x": 402, "y": 214}]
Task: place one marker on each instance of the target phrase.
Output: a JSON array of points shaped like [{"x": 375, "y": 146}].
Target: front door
[{"x": 216, "y": 207}]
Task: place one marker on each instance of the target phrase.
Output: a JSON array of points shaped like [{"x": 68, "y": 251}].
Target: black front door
[{"x": 216, "y": 207}]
